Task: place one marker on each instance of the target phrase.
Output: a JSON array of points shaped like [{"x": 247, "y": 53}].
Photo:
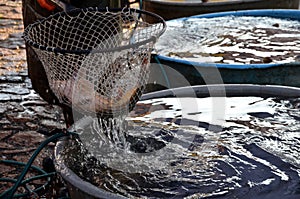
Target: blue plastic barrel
[{"x": 165, "y": 68}]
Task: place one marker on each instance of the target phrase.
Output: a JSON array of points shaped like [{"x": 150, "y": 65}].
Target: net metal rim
[{"x": 32, "y": 43}]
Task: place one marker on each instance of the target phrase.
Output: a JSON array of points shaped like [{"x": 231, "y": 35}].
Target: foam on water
[{"x": 172, "y": 150}]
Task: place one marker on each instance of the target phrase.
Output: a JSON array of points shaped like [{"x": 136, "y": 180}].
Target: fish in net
[{"x": 96, "y": 60}]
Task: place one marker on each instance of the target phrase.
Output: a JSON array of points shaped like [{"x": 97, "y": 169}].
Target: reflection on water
[
  {"x": 232, "y": 39},
  {"x": 177, "y": 148}
]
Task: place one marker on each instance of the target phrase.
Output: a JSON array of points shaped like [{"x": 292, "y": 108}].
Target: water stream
[{"x": 179, "y": 148}]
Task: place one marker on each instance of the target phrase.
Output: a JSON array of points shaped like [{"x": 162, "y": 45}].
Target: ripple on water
[
  {"x": 171, "y": 150},
  {"x": 232, "y": 39}
]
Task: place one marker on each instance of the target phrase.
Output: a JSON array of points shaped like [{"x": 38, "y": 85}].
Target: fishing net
[{"x": 96, "y": 60}]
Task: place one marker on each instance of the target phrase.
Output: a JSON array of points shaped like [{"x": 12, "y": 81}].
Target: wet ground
[{"x": 22, "y": 111}]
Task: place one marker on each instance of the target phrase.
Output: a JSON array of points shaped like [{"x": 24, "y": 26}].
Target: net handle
[{"x": 84, "y": 52}]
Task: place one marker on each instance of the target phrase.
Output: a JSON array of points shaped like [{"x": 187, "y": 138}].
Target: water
[
  {"x": 179, "y": 148},
  {"x": 232, "y": 39}
]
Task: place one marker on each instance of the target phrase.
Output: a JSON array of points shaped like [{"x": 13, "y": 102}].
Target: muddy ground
[{"x": 23, "y": 113}]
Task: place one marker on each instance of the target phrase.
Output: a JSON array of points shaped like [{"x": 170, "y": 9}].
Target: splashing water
[{"x": 165, "y": 152}]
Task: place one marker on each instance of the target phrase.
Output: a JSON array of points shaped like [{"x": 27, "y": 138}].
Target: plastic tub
[
  {"x": 197, "y": 73},
  {"x": 78, "y": 188}
]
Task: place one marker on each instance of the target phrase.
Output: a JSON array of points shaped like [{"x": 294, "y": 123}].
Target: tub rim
[
  {"x": 226, "y": 90},
  {"x": 75, "y": 181},
  {"x": 231, "y": 90}
]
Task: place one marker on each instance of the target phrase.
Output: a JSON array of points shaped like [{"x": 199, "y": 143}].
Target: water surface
[
  {"x": 232, "y": 39},
  {"x": 235, "y": 147}
]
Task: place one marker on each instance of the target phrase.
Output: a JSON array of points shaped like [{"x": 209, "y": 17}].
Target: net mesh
[{"x": 95, "y": 60}]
